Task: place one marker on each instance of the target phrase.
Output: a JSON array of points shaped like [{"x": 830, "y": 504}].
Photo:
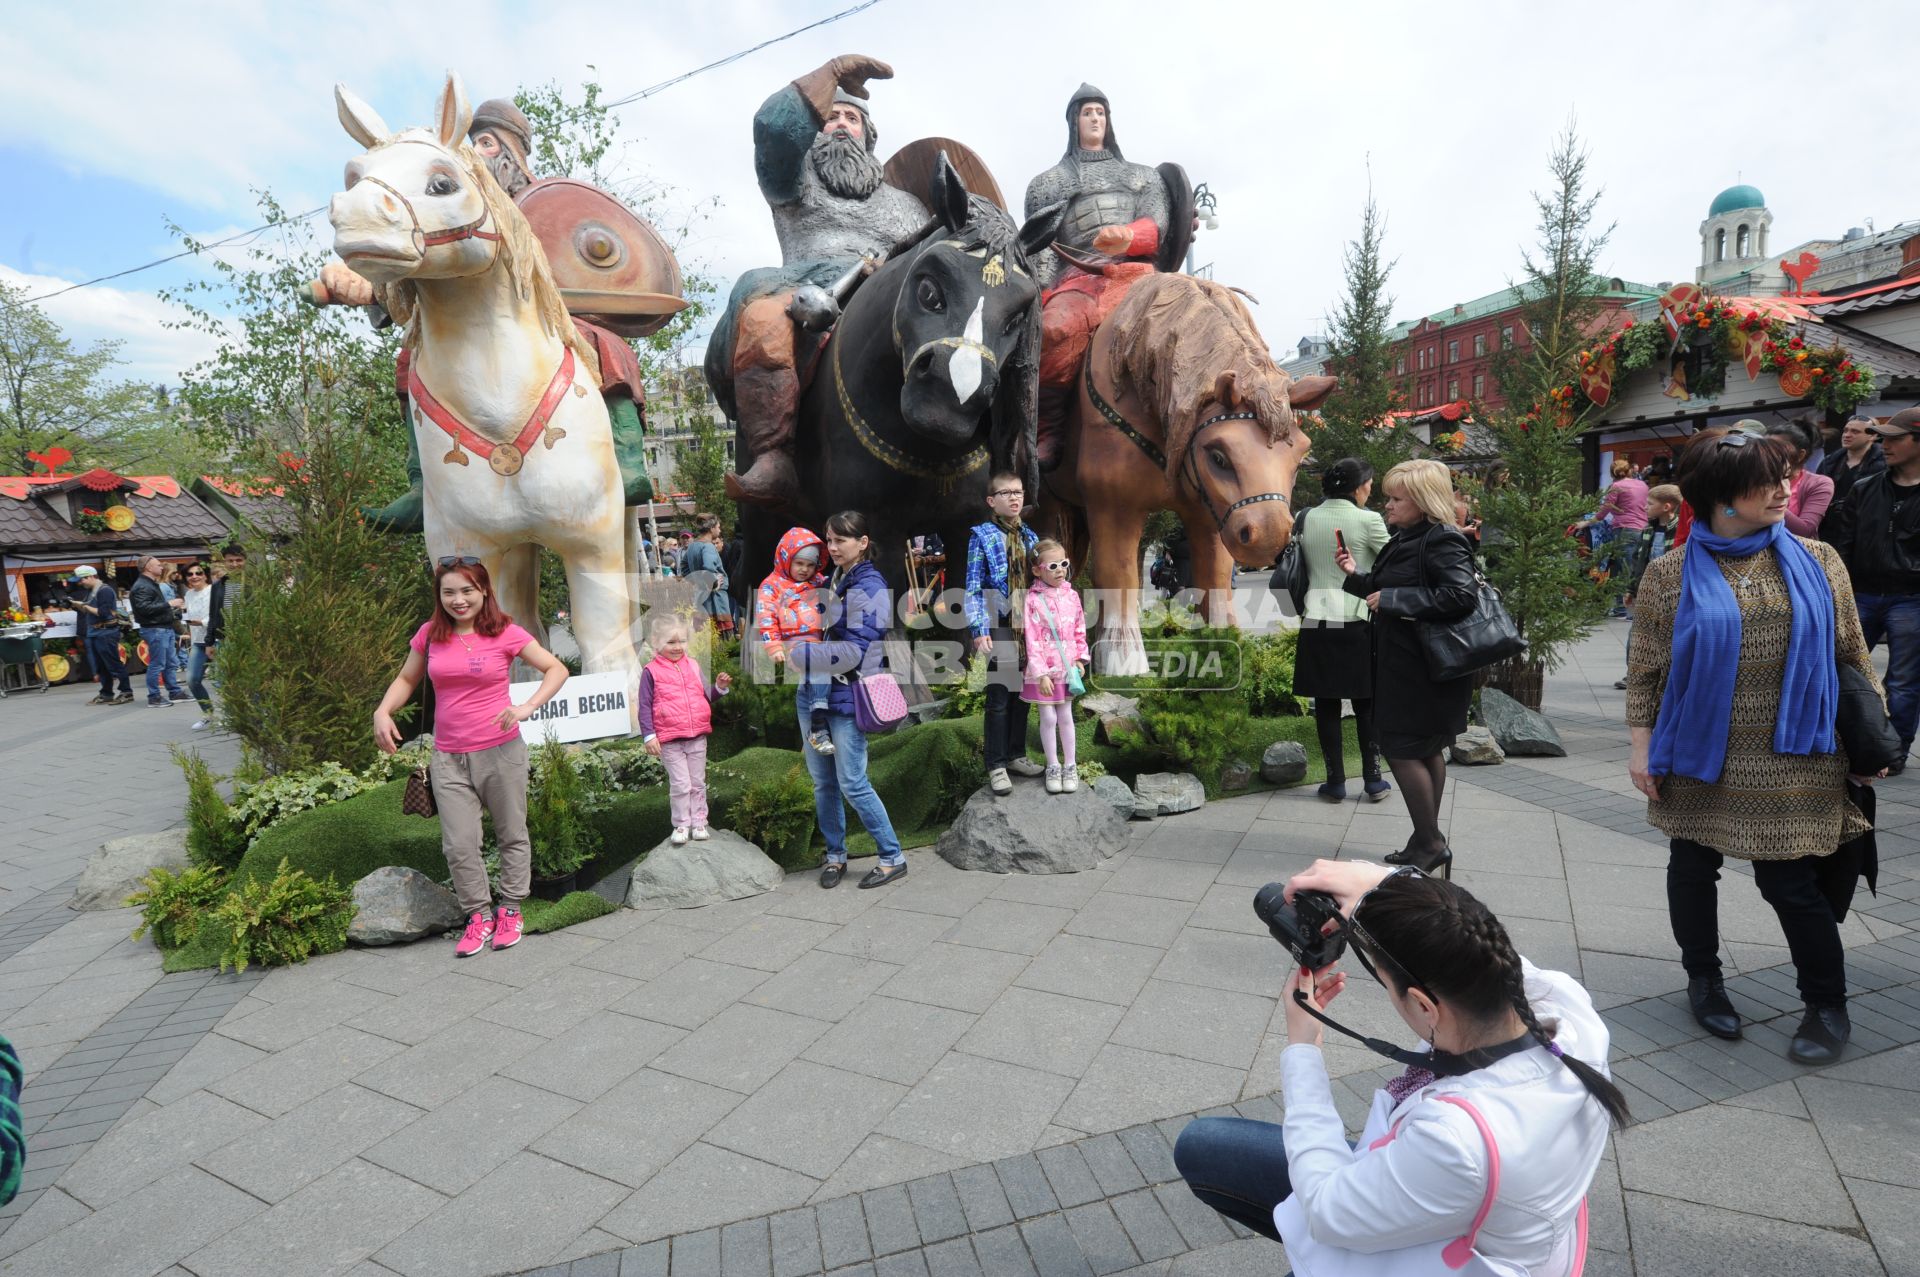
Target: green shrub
[
  {"x": 762, "y": 713},
  {"x": 1091, "y": 768},
  {"x": 574, "y": 907},
  {"x": 558, "y": 803},
  {"x": 349, "y": 839},
  {"x": 968, "y": 696},
  {"x": 172, "y": 905},
  {"x": 1266, "y": 674},
  {"x": 279, "y": 921},
  {"x": 1188, "y": 719},
  {"x": 272, "y": 800},
  {"x": 213, "y": 836},
  {"x": 777, "y": 815}
]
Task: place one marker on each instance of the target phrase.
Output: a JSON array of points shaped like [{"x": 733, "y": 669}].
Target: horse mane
[
  {"x": 1181, "y": 343},
  {"x": 520, "y": 256}
]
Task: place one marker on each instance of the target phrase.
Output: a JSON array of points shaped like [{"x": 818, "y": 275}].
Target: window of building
[
  {"x": 1506, "y": 337},
  {"x": 1479, "y": 345},
  {"x": 1433, "y": 356},
  {"x": 1420, "y": 359},
  {"x": 1453, "y": 389},
  {"x": 1479, "y": 386},
  {"x": 1742, "y": 242},
  {"x": 1400, "y": 366},
  {"x": 1453, "y": 352},
  {"x": 1720, "y": 245}
]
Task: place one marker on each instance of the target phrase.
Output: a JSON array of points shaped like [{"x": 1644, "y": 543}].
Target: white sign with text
[{"x": 587, "y": 707}]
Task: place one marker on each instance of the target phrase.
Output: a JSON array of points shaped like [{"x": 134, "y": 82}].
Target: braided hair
[{"x": 1465, "y": 957}]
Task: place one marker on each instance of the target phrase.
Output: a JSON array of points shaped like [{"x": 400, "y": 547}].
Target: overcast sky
[{"x": 116, "y": 117}]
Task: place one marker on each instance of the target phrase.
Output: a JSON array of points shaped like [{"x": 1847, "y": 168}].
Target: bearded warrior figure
[
  {"x": 604, "y": 260},
  {"x": 813, "y": 154},
  {"x": 1120, "y": 221}
]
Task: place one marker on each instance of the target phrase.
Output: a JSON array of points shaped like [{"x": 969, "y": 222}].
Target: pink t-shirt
[{"x": 470, "y": 674}]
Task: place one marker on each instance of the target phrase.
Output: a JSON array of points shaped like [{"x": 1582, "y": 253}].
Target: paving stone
[
  {"x": 49, "y": 1212},
  {"x": 651, "y": 1260},
  {"x": 427, "y": 1010},
  {"x": 697, "y": 1254},
  {"x": 703, "y": 1187},
  {"x": 320, "y": 1006},
  {"x": 1003, "y": 1253},
  {"x": 1113, "y": 915},
  {"x": 891, "y": 1038},
  {"x": 1102, "y": 1241},
  {"x": 1707, "y": 1156},
  {"x": 647, "y": 953},
  {"x": 1082, "y": 967},
  {"x": 1073, "y": 1183},
  {"x": 1652, "y": 1081},
  {"x": 746, "y": 1249},
  {"x": 1682, "y": 1239},
  {"x": 280, "y": 1083},
  {"x": 156, "y": 1147},
  {"x": 1111, "y": 1165},
  {"x": 795, "y": 1242},
  {"x": 642, "y": 1124},
  {"x": 443, "y": 1066},
  {"x": 770, "y": 942},
  {"x": 1867, "y": 1137},
  {"x": 1125, "y": 1086},
  {"x": 1892, "y": 1217},
  {"x": 981, "y": 1197},
  {"x": 1200, "y": 1224},
  {"x": 742, "y": 1048},
  {"x": 332, "y": 1223},
  {"x": 604, "y": 1264},
  {"x": 1214, "y": 1025},
  {"x": 824, "y": 986},
  {"x": 955, "y": 976},
  {"x": 522, "y": 1212},
  {"x": 843, "y": 1232},
  {"x": 881, "y": 1160},
  {"x": 977, "y": 1109},
  {"x": 890, "y": 1220},
  {"x": 584, "y": 1063},
  {"x": 953, "y": 1258},
  {"x": 1150, "y": 1152},
  {"x": 462, "y": 1141},
  {"x": 143, "y": 1232},
  {"x": 284, "y": 1156},
  {"x": 1042, "y": 1031},
  {"x": 210, "y": 1059},
  {"x": 1148, "y": 1228},
  {"x": 936, "y": 1208},
  {"x": 1218, "y": 960},
  {"x": 1053, "y": 1247},
  {"x": 806, "y": 1118},
  {"x": 889, "y": 935},
  {"x": 1009, "y": 926},
  {"x": 910, "y": 1263}
]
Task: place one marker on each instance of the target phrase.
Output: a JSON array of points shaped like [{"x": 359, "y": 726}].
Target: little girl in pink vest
[
  {"x": 676, "y": 717},
  {"x": 1056, "y": 637}
]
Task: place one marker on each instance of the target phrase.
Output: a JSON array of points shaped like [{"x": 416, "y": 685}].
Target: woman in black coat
[{"x": 1425, "y": 573}]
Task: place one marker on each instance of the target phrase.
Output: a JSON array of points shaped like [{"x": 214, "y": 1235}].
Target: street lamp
[{"x": 1206, "y": 209}]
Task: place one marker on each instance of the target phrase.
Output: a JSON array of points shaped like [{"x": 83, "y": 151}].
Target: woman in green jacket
[{"x": 1334, "y": 661}]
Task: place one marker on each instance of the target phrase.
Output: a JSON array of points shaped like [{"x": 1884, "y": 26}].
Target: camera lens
[{"x": 1269, "y": 901}]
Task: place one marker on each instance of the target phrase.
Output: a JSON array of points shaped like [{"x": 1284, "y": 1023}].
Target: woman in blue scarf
[{"x": 1732, "y": 691}]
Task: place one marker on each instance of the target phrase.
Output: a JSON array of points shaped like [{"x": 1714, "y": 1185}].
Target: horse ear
[
  {"x": 948, "y": 196},
  {"x": 451, "y": 114},
  {"x": 362, "y": 123},
  {"x": 1306, "y": 393},
  {"x": 1041, "y": 229}
]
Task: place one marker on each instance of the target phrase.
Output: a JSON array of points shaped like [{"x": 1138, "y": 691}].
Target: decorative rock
[
  {"x": 1032, "y": 831},
  {"x": 1236, "y": 775},
  {"x": 1476, "y": 747},
  {"x": 1521, "y": 732},
  {"x": 726, "y": 867},
  {"x": 1167, "y": 793},
  {"x": 1115, "y": 791},
  {"x": 1118, "y": 730},
  {"x": 1117, "y": 717},
  {"x": 120, "y": 867},
  {"x": 395, "y": 904},
  {"x": 1284, "y": 763},
  {"x": 1099, "y": 703}
]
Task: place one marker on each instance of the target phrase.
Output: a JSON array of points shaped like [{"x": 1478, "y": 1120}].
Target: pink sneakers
[
  {"x": 479, "y": 931},
  {"x": 506, "y": 928}
]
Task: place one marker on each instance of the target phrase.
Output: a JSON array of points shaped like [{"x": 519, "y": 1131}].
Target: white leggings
[{"x": 1056, "y": 733}]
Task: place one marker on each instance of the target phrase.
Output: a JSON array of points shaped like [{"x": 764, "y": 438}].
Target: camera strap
[{"x": 1441, "y": 1063}]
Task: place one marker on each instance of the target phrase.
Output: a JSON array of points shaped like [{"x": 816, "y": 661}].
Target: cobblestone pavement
[{"x": 962, "y": 1074}]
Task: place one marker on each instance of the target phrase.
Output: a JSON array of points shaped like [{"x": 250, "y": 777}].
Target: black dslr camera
[{"x": 1301, "y": 926}]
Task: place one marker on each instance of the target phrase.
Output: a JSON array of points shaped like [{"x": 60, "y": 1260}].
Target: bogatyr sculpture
[{"x": 499, "y": 376}]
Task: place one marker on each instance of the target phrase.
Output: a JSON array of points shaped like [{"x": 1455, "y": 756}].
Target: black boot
[
  {"x": 1820, "y": 1036},
  {"x": 1707, "y": 995}
]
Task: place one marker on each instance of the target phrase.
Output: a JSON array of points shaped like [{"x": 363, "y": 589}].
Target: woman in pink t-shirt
[{"x": 479, "y": 761}]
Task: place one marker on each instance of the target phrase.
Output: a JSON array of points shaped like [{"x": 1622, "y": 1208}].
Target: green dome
[{"x": 1735, "y": 197}]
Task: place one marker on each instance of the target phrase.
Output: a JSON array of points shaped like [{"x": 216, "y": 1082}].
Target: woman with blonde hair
[{"x": 1423, "y": 573}]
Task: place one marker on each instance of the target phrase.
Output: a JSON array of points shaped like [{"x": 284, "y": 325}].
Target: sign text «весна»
[
  {"x": 564, "y": 706},
  {"x": 588, "y": 707}
]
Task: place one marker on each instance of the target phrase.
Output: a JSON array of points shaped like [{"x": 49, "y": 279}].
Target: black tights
[
  {"x": 1326, "y": 721},
  {"x": 1422, "y": 781}
]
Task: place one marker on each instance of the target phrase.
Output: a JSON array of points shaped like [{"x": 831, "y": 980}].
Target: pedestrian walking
[
  {"x": 862, "y": 608},
  {"x": 1811, "y": 492},
  {"x": 479, "y": 760},
  {"x": 1652, "y": 541},
  {"x": 1877, "y": 532},
  {"x": 155, "y": 614},
  {"x": 1858, "y": 456},
  {"x": 1732, "y": 698},
  {"x": 701, "y": 564},
  {"x": 198, "y": 596},
  {"x": 96, "y": 607},
  {"x": 1334, "y": 660},
  {"x": 1423, "y": 573},
  {"x": 999, "y": 567},
  {"x": 675, "y": 702}
]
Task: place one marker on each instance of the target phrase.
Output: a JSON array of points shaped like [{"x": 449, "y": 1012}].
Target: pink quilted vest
[{"x": 680, "y": 708}]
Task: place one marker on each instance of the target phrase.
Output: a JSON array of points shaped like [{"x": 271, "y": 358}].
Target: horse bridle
[
  {"x": 1189, "y": 469},
  {"x": 424, "y": 239}
]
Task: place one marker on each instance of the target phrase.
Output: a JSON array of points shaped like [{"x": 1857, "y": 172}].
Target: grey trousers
[{"x": 463, "y": 785}]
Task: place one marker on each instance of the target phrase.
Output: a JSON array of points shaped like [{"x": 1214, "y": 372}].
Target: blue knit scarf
[{"x": 1696, "y": 711}]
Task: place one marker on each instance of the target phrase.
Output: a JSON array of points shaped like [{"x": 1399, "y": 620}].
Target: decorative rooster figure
[
  {"x": 1798, "y": 272},
  {"x": 53, "y": 458}
]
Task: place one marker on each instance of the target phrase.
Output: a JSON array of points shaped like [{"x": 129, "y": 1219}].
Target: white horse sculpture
[{"x": 515, "y": 445}]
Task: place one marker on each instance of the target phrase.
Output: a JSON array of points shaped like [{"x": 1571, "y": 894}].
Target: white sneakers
[
  {"x": 1070, "y": 779},
  {"x": 1002, "y": 784},
  {"x": 700, "y": 833},
  {"x": 679, "y": 835},
  {"x": 1053, "y": 780},
  {"x": 1024, "y": 766}
]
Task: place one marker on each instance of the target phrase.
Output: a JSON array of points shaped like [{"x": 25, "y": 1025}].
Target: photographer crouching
[{"x": 1474, "y": 1161}]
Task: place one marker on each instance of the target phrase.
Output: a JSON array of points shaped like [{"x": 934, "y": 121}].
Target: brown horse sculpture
[{"x": 1180, "y": 408}]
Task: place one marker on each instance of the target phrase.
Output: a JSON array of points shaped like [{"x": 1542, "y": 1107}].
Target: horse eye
[
  {"x": 441, "y": 184},
  {"x": 930, "y": 295},
  {"x": 1218, "y": 458},
  {"x": 1013, "y": 323}
]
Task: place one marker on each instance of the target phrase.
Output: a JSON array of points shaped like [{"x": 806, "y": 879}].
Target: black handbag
[
  {"x": 1861, "y": 725},
  {"x": 1485, "y": 636},
  {"x": 1290, "y": 573}
]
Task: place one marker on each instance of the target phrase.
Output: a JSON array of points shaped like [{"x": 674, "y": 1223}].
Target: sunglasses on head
[
  {"x": 459, "y": 561},
  {"x": 1738, "y": 439}
]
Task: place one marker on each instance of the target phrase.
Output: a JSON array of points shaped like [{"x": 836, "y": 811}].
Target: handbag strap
[{"x": 1053, "y": 627}]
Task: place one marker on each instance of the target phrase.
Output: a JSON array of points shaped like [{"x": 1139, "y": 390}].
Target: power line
[
  {"x": 735, "y": 57},
  {"x": 630, "y": 98}
]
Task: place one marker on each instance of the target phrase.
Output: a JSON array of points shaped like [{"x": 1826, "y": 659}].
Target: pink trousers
[{"x": 686, "y": 763}]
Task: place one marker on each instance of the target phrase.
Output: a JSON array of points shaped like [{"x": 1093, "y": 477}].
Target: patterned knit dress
[{"x": 1765, "y": 806}]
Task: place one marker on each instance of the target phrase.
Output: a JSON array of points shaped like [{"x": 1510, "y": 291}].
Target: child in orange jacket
[{"x": 787, "y": 611}]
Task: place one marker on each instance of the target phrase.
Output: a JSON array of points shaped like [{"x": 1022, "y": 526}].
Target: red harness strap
[
  {"x": 427, "y": 239},
  {"x": 504, "y": 458}
]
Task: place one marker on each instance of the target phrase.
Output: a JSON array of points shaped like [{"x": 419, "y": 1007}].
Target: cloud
[{"x": 150, "y": 351}]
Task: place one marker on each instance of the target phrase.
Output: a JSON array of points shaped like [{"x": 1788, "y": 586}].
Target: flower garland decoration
[
  {"x": 1828, "y": 378},
  {"x": 90, "y": 521},
  {"x": 1452, "y": 442}
]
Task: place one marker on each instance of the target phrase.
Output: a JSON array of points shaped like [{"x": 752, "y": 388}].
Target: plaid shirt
[
  {"x": 987, "y": 570},
  {"x": 13, "y": 1144}
]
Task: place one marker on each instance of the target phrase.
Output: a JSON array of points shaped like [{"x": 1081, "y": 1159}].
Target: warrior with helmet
[
  {"x": 813, "y": 155},
  {"x": 615, "y": 274},
  {"x": 1122, "y": 220}
]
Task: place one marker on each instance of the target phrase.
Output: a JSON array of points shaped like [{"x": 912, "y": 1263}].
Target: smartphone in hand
[{"x": 1339, "y": 541}]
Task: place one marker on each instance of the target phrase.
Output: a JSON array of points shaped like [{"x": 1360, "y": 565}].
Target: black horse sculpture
[{"x": 928, "y": 383}]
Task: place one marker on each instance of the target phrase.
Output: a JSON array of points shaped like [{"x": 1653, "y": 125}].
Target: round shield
[
  {"x": 1180, "y": 209},
  {"x": 612, "y": 268},
  {"x": 911, "y": 169}
]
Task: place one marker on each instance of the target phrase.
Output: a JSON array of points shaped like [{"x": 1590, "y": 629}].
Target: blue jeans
[
  {"x": 810, "y": 693},
  {"x": 196, "y": 676},
  {"x": 103, "y": 653},
  {"x": 840, "y": 782},
  {"x": 163, "y": 654},
  {"x": 1896, "y": 618},
  {"x": 1237, "y": 1166}
]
